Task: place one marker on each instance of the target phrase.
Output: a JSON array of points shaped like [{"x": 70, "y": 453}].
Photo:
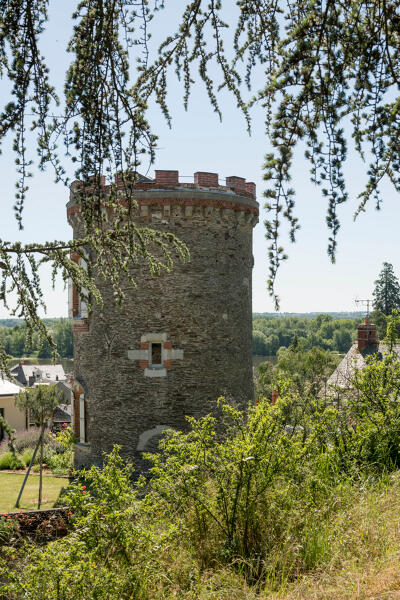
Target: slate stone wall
[{"x": 201, "y": 314}]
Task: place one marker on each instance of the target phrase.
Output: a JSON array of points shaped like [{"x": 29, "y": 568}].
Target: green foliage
[
  {"x": 11, "y": 461},
  {"x": 111, "y": 553},
  {"x": 260, "y": 343},
  {"x": 393, "y": 329},
  {"x": 226, "y": 490},
  {"x": 61, "y": 464},
  {"x": 258, "y": 493},
  {"x": 27, "y": 457},
  {"x": 28, "y": 439},
  {"x": 374, "y": 405},
  {"x": 8, "y": 528},
  {"x": 16, "y": 341},
  {"x": 59, "y": 453},
  {"x": 10, "y": 433},
  {"x": 270, "y": 334},
  {"x": 40, "y": 401},
  {"x": 307, "y": 370},
  {"x": 387, "y": 291},
  {"x": 57, "y": 450},
  {"x": 380, "y": 320},
  {"x": 65, "y": 437}
]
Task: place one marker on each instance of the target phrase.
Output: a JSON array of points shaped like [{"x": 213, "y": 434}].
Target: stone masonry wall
[{"x": 200, "y": 314}]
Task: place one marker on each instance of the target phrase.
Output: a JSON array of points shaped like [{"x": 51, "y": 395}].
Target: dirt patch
[{"x": 39, "y": 526}]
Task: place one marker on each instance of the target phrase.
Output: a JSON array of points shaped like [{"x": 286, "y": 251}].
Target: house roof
[
  {"x": 62, "y": 414},
  {"x": 46, "y": 372},
  {"x": 355, "y": 360},
  {"x": 8, "y": 388}
]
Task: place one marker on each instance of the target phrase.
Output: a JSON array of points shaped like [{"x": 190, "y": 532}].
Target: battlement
[
  {"x": 170, "y": 180},
  {"x": 166, "y": 193}
]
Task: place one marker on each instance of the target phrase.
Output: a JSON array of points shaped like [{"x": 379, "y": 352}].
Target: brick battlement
[
  {"x": 166, "y": 194},
  {"x": 170, "y": 180}
]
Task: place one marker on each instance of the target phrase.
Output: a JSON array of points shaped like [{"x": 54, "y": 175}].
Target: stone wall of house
[{"x": 194, "y": 322}]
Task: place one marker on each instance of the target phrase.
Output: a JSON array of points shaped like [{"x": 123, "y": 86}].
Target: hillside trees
[
  {"x": 324, "y": 63},
  {"x": 323, "y": 332},
  {"x": 387, "y": 290},
  {"x": 14, "y": 340}
]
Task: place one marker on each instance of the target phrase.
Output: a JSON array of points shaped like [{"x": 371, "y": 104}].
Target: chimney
[
  {"x": 275, "y": 396},
  {"x": 167, "y": 177},
  {"x": 366, "y": 334}
]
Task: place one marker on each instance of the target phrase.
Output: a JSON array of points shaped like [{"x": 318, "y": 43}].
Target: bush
[
  {"x": 8, "y": 528},
  {"x": 27, "y": 439},
  {"x": 66, "y": 437},
  {"x": 111, "y": 557},
  {"x": 62, "y": 464},
  {"x": 11, "y": 462},
  {"x": 27, "y": 457}
]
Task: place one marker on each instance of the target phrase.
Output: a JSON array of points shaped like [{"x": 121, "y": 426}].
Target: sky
[{"x": 198, "y": 141}]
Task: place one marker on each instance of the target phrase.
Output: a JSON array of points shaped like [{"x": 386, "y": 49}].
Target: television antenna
[{"x": 362, "y": 303}]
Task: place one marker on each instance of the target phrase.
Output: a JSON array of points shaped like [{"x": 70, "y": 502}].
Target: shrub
[
  {"x": 26, "y": 439},
  {"x": 8, "y": 528},
  {"x": 65, "y": 437},
  {"x": 62, "y": 464},
  {"x": 9, "y": 461},
  {"x": 27, "y": 457},
  {"x": 111, "y": 555}
]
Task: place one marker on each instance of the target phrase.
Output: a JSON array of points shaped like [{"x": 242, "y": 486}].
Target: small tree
[
  {"x": 387, "y": 290},
  {"x": 41, "y": 402},
  {"x": 380, "y": 321},
  {"x": 393, "y": 329}
]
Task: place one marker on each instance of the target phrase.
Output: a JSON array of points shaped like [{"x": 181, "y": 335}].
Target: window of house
[{"x": 156, "y": 359}]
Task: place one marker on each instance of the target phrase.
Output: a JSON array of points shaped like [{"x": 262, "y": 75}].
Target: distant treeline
[
  {"x": 310, "y": 315},
  {"x": 13, "y": 337},
  {"x": 271, "y": 333}
]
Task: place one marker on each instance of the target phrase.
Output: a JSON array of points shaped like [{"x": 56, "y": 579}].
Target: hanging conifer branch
[{"x": 327, "y": 66}]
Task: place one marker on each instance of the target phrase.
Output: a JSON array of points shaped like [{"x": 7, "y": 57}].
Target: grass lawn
[{"x": 10, "y": 484}]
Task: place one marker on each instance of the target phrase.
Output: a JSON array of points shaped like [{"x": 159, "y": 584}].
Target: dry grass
[
  {"x": 361, "y": 559},
  {"x": 364, "y": 557}
]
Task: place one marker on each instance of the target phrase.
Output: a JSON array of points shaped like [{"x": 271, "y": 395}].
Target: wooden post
[
  {"x": 27, "y": 473},
  {"x": 41, "y": 465}
]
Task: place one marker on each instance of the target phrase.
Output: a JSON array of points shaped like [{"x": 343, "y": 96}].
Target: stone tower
[{"x": 181, "y": 339}]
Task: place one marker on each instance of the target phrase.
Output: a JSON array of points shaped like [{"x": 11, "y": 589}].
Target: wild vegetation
[{"x": 243, "y": 505}]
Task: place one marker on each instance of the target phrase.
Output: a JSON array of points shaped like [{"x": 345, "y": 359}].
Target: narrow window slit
[{"x": 156, "y": 355}]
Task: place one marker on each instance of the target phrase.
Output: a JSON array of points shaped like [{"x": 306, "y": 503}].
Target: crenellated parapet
[{"x": 166, "y": 196}]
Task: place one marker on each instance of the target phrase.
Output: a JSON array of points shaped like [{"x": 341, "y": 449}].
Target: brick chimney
[{"x": 366, "y": 334}]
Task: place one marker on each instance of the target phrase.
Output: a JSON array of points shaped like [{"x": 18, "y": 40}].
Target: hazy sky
[{"x": 199, "y": 142}]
